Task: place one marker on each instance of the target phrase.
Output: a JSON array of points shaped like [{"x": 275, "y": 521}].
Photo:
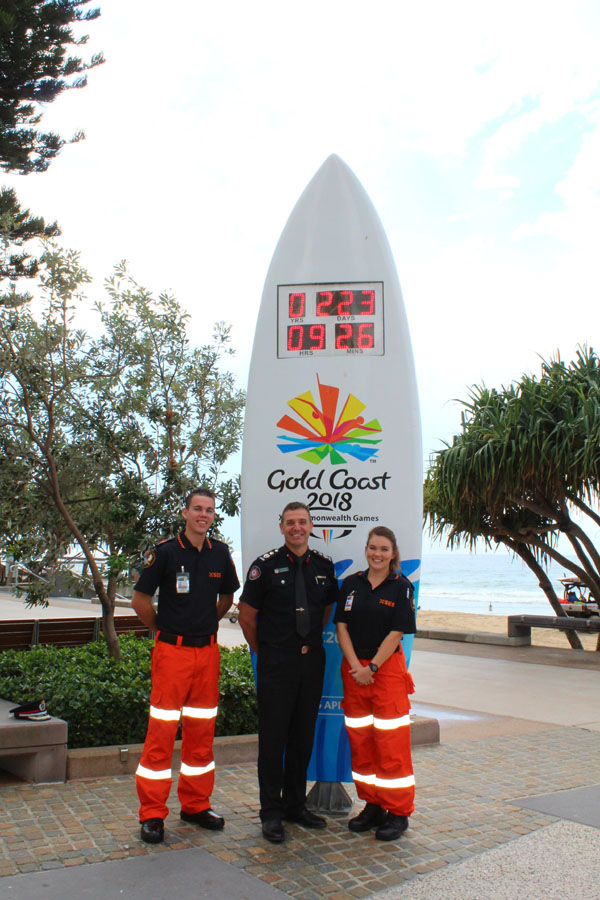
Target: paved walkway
[{"x": 496, "y": 812}]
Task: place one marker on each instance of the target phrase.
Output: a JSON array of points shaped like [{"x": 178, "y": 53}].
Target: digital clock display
[{"x": 330, "y": 319}]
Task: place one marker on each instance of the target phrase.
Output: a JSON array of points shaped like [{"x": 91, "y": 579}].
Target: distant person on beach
[
  {"x": 376, "y": 608},
  {"x": 286, "y": 602},
  {"x": 196, "y": 580}
]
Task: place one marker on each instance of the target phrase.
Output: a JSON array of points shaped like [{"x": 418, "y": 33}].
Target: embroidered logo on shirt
[
  {"x": 149, "y": 557},
  {"x": 214, "y": 574},
  {"x": 387, "y": 602},
  {"x": 254, "y": 573}
]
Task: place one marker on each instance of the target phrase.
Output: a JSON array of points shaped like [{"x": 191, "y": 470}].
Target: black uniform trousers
[{"x": 289, "y": 686}]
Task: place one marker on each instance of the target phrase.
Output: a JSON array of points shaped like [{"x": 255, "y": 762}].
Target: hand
[{"x": 362, "y": 675}]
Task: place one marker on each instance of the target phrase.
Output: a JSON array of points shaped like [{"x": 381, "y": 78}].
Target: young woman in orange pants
[{"x": 375, "y": 609}]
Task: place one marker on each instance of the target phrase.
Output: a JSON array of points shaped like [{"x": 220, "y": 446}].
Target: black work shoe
[
  {"x": 153, "y": 831},
  {"x": 372, "y": 816},
  {"x": 273, "y": 830},
  {"x": 307, "y": 818},
  {"x": 392, "y": 828},
  {"x": 205, "y": 819}
]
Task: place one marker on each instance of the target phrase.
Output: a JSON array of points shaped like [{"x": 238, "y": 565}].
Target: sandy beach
[{"x": 541, "y": 637}]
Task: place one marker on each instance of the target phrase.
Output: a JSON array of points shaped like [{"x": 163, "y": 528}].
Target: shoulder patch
[
  {"x": 149, "y": 558},
  {"x": 254, "y": 573}
]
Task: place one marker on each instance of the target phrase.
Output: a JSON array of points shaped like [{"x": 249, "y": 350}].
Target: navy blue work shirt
[{"x": 211, "y": 571}]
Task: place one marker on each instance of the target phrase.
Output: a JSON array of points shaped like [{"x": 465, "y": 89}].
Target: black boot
[
  {"x": 392, "y": 827},
  {"x": 371, "y": 816}
]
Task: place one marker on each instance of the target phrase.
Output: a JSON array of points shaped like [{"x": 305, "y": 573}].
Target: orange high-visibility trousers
[
  {"x": 185, "y": 684},
  {"x": 378, "y": 725}
]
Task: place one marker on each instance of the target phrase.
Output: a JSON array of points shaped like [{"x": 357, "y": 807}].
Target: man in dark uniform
[
  {"x": 285, "y": 604},
  {"x": 196, "y": 580}
]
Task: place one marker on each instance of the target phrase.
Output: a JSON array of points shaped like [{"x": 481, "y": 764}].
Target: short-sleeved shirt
[
  {"x": 371, "y": 613},
  {"x": 270, "y": 589},
  {"x": 210, "y": 572}
]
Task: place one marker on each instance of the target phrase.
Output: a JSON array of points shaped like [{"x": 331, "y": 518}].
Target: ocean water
[{"x": 490, "y": 583}]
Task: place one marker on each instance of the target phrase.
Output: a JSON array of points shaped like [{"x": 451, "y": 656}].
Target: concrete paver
[{"x": 465, "y": 807}]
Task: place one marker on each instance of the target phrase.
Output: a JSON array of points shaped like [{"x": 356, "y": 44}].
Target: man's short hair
[
  {"x": 199, "y": 492},
  {"x": 295, "y": 504}
]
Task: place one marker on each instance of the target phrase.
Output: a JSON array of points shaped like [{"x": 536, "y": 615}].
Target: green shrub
[
  {"x": 238, "y": 712},
  {"x": 105, "y": 701}
]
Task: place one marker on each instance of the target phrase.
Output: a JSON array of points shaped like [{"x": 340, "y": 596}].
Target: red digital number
[
  {"x": 297, "y": 305},
  {"x": 366, "y": 338},
  {"x": 317, "y": 334},
  {"x": 344, "y": 306},
  {"x": 295, "y": 337},
  {"x": 343, "y": 333},
  {"x": 324, "y": 301},
  {"x": 367, "y": 303}
]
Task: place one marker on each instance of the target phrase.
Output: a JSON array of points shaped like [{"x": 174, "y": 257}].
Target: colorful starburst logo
[{"x": 322, "y": 432}]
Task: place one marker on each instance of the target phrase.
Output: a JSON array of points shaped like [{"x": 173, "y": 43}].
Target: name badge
[
  {"x": 348, "y": 603},
  {"x": 182, "y": 582}
]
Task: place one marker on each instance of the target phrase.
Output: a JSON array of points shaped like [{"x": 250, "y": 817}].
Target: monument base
[{"x": 329, "y": 796}]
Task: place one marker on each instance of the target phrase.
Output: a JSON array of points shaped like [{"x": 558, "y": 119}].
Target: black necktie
[{"x": 302, "y": 614}]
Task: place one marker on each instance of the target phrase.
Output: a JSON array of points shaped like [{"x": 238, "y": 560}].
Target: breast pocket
[{"x": 282, "y": 581}]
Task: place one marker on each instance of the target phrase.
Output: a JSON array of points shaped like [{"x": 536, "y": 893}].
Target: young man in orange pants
[{"x": 196, "y": 580}]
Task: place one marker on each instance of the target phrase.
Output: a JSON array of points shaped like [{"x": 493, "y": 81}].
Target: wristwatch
[{"x": 373, "y": 667}]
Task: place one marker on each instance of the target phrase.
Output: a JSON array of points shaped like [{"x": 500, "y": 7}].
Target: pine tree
[{"x": 35, "y": 36}]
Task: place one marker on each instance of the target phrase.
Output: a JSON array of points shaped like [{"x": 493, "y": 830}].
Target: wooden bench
[
  {"x": 520, "y": 626},
  {"x": 20, "y": 634},
  {"x": 35, "y": 751}
]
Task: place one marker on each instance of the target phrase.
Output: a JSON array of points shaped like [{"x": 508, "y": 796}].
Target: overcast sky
[{"x": 474, "y": 127}]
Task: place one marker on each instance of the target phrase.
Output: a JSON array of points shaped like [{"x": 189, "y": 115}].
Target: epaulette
[
  {"x": 322, "y": 555},
  {"x": 269, "y": 554}
]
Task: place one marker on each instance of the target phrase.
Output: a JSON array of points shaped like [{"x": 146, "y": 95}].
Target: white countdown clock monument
[{"x": 332, "y": 417}]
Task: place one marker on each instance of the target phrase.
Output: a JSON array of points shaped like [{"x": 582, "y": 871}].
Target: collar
[
  {"x": 186, "y": 544},
  {"x": 392, "y": 576},
  {"x": 292, "y": 556}
]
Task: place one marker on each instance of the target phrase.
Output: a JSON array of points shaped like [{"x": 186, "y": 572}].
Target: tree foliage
[
  {"x": 527, "y": 457},
  {"x": 104, "y": 434},
  {"x": 17, "y": 229},
  {"x": 35, "y": 67}
]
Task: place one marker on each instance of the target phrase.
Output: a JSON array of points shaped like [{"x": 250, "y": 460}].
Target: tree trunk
[
  {"x": 546, "y": 585},
  {"x": 108, "y": 618}
]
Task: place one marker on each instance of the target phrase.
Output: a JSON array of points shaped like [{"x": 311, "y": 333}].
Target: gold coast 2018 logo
[{"x": 322, "y": 431}]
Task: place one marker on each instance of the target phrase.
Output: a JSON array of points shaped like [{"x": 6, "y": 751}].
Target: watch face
[{"x": 373, "y": 667}]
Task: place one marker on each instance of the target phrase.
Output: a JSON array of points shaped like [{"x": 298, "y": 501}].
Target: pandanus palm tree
[{"x": 527, "y": 457}]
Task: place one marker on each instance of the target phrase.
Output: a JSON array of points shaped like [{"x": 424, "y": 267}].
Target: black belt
[
  {"x": 369, "y": 652},
  {"x": 186, "y": 640}
]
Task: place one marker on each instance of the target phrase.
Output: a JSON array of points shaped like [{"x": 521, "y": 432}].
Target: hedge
[{"x": 105, "y": 701}]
